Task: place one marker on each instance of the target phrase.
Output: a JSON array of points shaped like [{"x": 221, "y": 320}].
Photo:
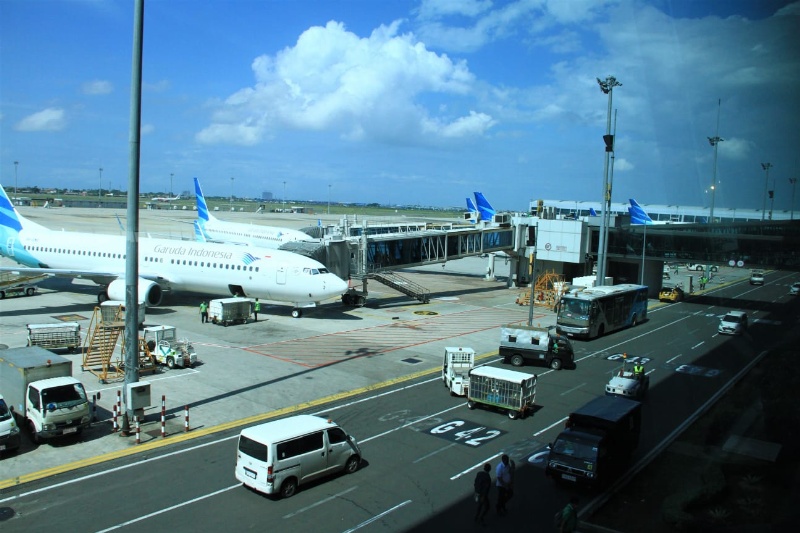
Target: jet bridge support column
[{"x": 490, "y": 269}]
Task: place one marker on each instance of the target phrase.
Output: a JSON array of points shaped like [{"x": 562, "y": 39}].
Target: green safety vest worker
[
  {"x": 203, "y": 307},
  {"x": 257, "y": 306},
  {"x": 638, "y": 370}
]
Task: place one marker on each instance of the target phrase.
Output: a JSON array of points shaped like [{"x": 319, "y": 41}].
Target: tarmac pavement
[{"x": 250, "y": 372}]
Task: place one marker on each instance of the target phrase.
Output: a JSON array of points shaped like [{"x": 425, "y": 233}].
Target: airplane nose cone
[{"x": 337, "y": 286}]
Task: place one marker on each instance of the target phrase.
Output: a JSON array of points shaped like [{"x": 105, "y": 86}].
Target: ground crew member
[
  {"x": 638, "y": 371},
  {"x": 256, "y": 308},
  {"x": 203, "y": 312}
]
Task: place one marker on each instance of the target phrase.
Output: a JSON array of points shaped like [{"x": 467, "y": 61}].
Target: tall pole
[
  {"x": 329, "y": 198},
  {"x": 284, "y": 196},
  {"x": 607, "y": 212},
  {"x": 772, "y": 198},
  {"x": 607, "y": 86},
  {"x": 232, "y": 193},
  {"x": 170, "y": 183},
  {"x": 16, "y": 164},
  {"x": 100, "y": 190},
  {"x": 793, "y": 181},
  {"x": 714, "y": 141},
  {"x": 766, "y": 167},
  {"x": 131, "y": 341}
]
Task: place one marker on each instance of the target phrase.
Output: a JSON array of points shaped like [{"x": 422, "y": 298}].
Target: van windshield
[
  {"x": 253, "y": 448},
  {"x": 4, "y": 412}
]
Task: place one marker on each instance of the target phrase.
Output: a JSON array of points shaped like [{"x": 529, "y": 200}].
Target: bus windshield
[{"x": 573, "y": 306}]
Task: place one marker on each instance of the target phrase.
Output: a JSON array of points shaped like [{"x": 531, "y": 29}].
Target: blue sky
[{"x": 407, "y": 102}]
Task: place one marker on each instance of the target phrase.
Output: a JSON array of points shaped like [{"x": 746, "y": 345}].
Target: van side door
[
  {"x": 312, "y": 455},
  {"x": 339, "y": 449}
]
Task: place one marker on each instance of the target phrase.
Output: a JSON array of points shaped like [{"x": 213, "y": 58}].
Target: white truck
[
  {"x": 506, "y": 390},
  {"x": 10, "y": 437},
  {"x": 167, "y": 349},
  {"x": 455, "y": 369},
  {"x": 230, "y": 310},
  {"x": 65, "y": 335},
  {"x": 626, "y": 383},
  {"x": 40, "y": 390},
  {"x": 528, "y": 344}
]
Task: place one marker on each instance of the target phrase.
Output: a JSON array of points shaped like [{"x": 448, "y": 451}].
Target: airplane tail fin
[
  {"x": 202, "y": 206},
  {"x": 10, "y": 219},
  {"x": 592, "y": 212},
  {"x": 121, "y": 227},
  {"x": 199, "y": 235},
  {"x": 485, "y": 209},
  {"x": 472, "y": 211},
  {"x": 638, "y": 214}
]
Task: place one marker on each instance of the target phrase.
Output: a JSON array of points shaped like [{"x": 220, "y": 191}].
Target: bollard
[
  {"x": 186, "y": 418},
  {"x": 94, "y": 408},
  {"x": 119, "y": 402},
  {"x": 163, "y": 416},
  {"x": 116, "y": 426},
  {"x": 138, "y": 430}
]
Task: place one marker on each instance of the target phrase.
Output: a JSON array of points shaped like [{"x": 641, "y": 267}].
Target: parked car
[
  {"x": 757, "y": 278},
  {"x": 795, "y": 289},
  {"x": 671, "y": 294},
  {"x": 733, "y": 323},
  {"x": 701, "y": 268}
]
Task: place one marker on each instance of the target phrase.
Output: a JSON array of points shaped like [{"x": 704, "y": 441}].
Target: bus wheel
[{"x": 634, "y": 322}]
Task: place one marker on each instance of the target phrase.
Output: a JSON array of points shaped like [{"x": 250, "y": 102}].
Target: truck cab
[
  {"x": 534, "y": 345},
  {"x": 455, "y": 369}
]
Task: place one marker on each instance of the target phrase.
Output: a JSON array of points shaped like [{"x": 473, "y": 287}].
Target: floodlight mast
[
  {"x": 607, "y": 86},
  {"x": 766, "y": 167}
]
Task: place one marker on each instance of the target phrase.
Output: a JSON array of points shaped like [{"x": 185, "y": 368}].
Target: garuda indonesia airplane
[
  {"x": 165, "y": 265},
  {"x": 213, "y": 229}
]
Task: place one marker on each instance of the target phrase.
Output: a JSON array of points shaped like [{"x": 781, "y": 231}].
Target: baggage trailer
[
  {"x": 455, "y": 369},
  {"x": 111, "y": 309},
  {"x": 12, "y": 284},
  {"x": 230, "y": 310},
  {"x": 507, "y": 390},
  {"x": 66, "y": 335}
]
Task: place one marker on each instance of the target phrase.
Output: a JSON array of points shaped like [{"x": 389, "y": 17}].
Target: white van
[{"x": 278, "y": 456}]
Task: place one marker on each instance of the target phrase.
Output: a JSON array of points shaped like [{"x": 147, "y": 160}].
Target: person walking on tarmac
[
  {"x": 503, "y": 482},
  {"x": 256, "y": 308},
  {"x": 483, "y": 484},
  {"x": 203, "y": 312}
]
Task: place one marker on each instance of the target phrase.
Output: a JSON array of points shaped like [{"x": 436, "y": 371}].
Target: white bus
[{"x": 596, "y": 311}]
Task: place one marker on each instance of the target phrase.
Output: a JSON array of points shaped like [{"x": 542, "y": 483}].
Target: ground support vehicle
[
  {"x": 599, "y": 439},
  {"x": 167, "y": 349},
  {"x": 10, "y": 437},
  {"x": 595, "y": 311},
  {"x": 230, "y": 310},
  {"x": 279, "y": 456},
  {"x": 455, "y": 369},
  {"x": 65, "y": 335},
  {"x": 527, "y": 344},
  {"x": 507, "y": 390},
  {"x": 626, "y": 384},
  {"x": 39, "y": 387},
  {"x": 17, "y": 285}
]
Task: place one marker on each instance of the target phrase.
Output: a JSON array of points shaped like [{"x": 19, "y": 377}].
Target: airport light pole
[
  {"x": 170, "y": 184},
  {"x": 16, "y": 195},
  {"x": 766, "y": 167},
  {"x": 100, "y": 190},
  {"x": 714, "y": 141},
  {"x": 772, "y": 198},
  {"x": 284, "y": 196},
  {"x": 793, "y": 181},
  {"x": 231, "y": 193},
  {"x": 329, "y": 198},
  {"x": 607, "y": 86}
]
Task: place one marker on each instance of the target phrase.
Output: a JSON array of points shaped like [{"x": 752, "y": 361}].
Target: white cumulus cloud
[
  {"x": 374, "y": 87},
  {"x": 95, "y": 87},
  {"x": 50, "y": 119}
]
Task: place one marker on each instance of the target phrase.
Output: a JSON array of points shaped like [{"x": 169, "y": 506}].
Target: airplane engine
[{"x": 148, "y": 290}]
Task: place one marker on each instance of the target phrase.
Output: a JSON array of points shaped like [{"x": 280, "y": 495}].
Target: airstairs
[
  {"x": 100, "y": 344},
  {"x": 403, "y": 285}
]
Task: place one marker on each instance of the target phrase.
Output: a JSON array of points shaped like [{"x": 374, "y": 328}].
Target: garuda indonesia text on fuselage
[
  {"x": 213, "y": 229},
  {"x": 165, "y": 264}
]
